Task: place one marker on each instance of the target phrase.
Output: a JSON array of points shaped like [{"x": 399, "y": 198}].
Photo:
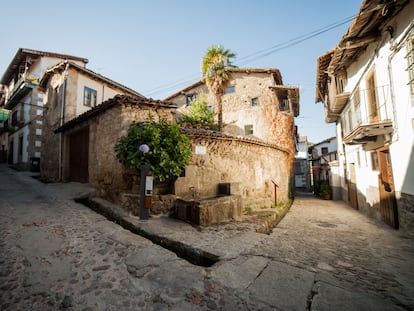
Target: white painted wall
[
  {"x": 390, "y": 64},
  {"x": 104, "y": 92},
  {"x": 331, "y": 144}
]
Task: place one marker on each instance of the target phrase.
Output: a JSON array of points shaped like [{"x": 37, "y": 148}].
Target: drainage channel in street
[{"x": 193, "y": 255}]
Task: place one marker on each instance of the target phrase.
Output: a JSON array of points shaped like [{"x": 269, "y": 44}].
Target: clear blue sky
[{"x": 155, "y": 46}]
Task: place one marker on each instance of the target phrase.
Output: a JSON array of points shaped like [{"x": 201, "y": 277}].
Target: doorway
[{"x": 388, "y": 202}]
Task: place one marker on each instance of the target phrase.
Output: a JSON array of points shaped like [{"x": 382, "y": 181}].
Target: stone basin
[{"x": 209, "y": 211}]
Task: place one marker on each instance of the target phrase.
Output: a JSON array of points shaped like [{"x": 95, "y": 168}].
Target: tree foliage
[
  {"x": 169, "y": 150},
  {"x": 199, "y": 113},
  {"x": 216, "y": 68}
]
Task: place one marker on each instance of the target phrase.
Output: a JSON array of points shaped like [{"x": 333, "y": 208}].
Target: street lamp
[{"x": 146, "y": 185}]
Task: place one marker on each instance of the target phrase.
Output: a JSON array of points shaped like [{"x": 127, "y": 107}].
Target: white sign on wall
[{"x": 200, "y": 150}]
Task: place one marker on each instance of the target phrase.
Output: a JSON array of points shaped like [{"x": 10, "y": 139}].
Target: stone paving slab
[
  {"x": 328, "y": 297},
  {"x": 283, "y": 286},
  {"x": 239, "y": 273}
]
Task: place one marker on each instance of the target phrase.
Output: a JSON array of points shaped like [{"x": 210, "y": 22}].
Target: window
[
  {"x": 357, "y": 106},
  {"x": 230, "y": 89},
  {"x": 14, "y": 118},
  {"x": 324, "y": 150},
  {"x": 189, "y": 98},
  {"x": 340, "y": 82},
  {"x": 254, "y": 102},
  {"x": 89, "y": 97},
  {"x": 248, "y": 129},
  {"x": 374, "y": 161},
  {"x": 350, "y": 124},
  {"x": 283, "y": 98}
]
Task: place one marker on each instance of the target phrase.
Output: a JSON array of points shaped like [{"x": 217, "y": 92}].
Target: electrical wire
[
  {"x": 255, "y": 56},
  {"x": 292, "y": 42}
]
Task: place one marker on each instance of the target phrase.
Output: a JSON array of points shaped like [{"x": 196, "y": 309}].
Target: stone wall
[
  {"x": 248, "y": 165},
  {"x": 406, "y": 211},
  {"x": 106, "y": 174},
  {"x": 50, "y": 162}
]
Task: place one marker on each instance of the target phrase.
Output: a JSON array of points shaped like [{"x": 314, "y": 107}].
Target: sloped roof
[
  {"x": 109, "y": 104},
  {"x": 96, "y": 76},
  {"x": 366, "y": 28},
  {"x": 23, "y": 53},
  {"x": 274, "y": 71}
]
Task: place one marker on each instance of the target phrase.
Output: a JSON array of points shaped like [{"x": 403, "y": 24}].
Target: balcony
[
  {"x": 22, "y": 87},
  {"x": 365, "y": 122}
]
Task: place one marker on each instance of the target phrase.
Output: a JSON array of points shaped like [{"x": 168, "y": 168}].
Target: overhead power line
[
  {"x": 292, "y": 42},
  {"x": 255, "y": 56}
]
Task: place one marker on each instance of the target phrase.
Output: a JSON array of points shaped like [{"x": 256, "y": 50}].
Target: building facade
[
  {"x": 256, "y": 104},
  {"x": 302, "y": 165},
  {"x": 69, "y": 91},
  {"x": 23, "y": 130},
  {"x": 323, "y": 157},
  {"x": 366, "y": 84}
]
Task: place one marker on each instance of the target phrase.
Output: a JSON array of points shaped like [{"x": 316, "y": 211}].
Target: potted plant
[{"x": 325, "y": 190}]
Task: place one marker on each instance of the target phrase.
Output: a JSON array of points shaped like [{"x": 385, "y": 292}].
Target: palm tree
[{"x": 216, "y": 68}]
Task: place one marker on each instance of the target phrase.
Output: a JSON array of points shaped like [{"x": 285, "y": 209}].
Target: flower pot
[{"x": 327, "y": 196}]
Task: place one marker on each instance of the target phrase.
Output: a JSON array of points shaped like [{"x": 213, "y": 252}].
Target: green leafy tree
[
  {"x": 169, "y": 150},
  {"x": 199, "y": 113},
  {"x": 216, "y": 68}
]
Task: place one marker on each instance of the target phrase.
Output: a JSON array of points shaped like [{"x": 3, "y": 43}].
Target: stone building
[
  {"x": 70, "y": 90},
  {"x": 249, "y": 166},
  {"x": 256, "y": 104},
  {"x": 21, "y": 134},
  {"x": 93, "y": 135}
]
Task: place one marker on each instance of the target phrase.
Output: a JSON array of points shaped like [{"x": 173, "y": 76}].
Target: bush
[
  {"x": 199, "y": 113},
  {"x": 169, "y": 150}
]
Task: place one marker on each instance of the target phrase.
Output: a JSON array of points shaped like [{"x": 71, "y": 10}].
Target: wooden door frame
[
  {"x": 386, "y": 188},
  {"x": 372, "y": 96}
]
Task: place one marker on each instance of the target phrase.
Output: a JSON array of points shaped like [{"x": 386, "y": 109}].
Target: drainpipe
[{"x": 62, "y": 120}]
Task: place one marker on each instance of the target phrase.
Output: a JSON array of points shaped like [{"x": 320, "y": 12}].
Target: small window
[
  {"x": 189, "y": 98},
  {"x": 254, "y": 102},
  {"x": 248, "y": 129},
  {"x": 89, "y": 97},
  {"x": 230, "y": 89},
  {"x": 324, "y": 150},
  {"x": 374, "y": 161}
]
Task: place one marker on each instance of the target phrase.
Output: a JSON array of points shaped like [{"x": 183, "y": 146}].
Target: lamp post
[{"x": 146, "y": 185}]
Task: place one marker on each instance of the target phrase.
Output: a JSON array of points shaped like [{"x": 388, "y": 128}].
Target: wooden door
[
  {"x": 388, "y": 202},
  {"x": 353, "y": 191},
  {"x": 79, "y": 156}
]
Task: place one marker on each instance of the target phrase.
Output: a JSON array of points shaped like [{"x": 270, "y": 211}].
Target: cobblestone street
[
  {"x": 344, "y": 247},
  {"x": 58, "y": 254}
]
